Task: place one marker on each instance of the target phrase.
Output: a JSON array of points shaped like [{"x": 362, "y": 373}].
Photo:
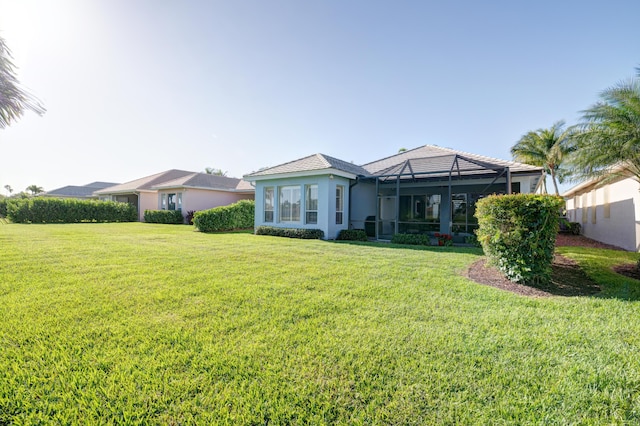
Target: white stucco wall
[
  {"x": 608, "y": 213},
  {"x": 326, "y": 203}
]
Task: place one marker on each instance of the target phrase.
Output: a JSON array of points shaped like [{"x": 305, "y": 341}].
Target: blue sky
[{"x": 135, "y": 87}]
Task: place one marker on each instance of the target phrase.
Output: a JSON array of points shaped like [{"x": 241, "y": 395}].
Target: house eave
[{"x": 306, "y": 173}]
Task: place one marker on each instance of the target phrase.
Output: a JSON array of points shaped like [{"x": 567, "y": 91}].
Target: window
[
  {"x": 290, "y": 204},
  {"x": 585, "y": 207},
  {"x": 607, "y": 207},
  {"x": 594, "y": 203},
  {"x": 339, "y": 204},
  {"x": 268, "y": 204},
  {"x": 171, "y": 201},
  {"x": 311, "y": 204}
]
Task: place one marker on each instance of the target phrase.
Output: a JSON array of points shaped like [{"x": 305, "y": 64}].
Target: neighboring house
[
  {"x": 84, "y": 192},
  {"x": 423, "y": 190},
  {"x": 608, "y": 210},
  {"x": 178, "y": 190},
  {"x": 201, "y": 191}
]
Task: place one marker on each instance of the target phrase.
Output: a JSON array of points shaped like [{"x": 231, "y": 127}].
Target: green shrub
[
  {"x": 3, "y": 207},
  {"x": 172, "y": 217},
  {"x": 518, "y": 233},
  {"x": 569, "y": 227},
  {"x": 352, "y": 235},
  {"x": 305, "y": 234},
  {"x": 57, "y": 210},
  {"x": 239, "y": 215},
  {"x": 411, "y": 239}
]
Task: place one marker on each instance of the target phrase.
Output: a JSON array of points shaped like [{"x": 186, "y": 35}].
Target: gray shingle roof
[
  {"x": 144, "y": 183},
  {"x": 207, "y": 181},
  {"x": 312, "y": 162},
  {"x": 74, "y": 191}
]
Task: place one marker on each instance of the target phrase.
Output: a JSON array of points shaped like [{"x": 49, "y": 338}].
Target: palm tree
[
  {"x": 609, "y": 133},
  {"x": 546, "y": 148},
  {"x": 35, "y": 189},
  {"x": 216, "y": 172},
  {"x": 13, "y": 99},
  {"x": 9, "y": 189}
]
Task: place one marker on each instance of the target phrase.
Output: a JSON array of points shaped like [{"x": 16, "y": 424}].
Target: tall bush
[
  {"x": 239, "y": 215},
  {"x": 56, "y": 210},
  {"x": 518, "y": 234}
]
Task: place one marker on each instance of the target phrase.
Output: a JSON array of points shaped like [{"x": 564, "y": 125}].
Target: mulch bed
[{"x": 567, "y": 279}]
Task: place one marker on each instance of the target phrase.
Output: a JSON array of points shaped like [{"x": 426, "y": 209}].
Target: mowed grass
[{"x": 158, "y": 324}]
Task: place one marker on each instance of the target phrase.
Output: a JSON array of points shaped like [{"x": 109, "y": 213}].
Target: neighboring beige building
[
  {"x": 608, "y": 212},
  {"x": 178, "y": 190}
]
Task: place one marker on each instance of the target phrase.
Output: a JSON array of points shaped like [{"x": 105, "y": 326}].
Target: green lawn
[{"x": 158, "y": 324}]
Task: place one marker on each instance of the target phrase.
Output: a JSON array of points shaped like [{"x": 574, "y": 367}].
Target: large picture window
[
  {"x": 339, "y": 204},
  {"x": 311, "y": 204},
  {"x": 268, "y": 204},
  {"x": 289, "y": 204}
]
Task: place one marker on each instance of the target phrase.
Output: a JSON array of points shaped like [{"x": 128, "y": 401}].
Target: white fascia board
[{"x": 319, "y": 172}]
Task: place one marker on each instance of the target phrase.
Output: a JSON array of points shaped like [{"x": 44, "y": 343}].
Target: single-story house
[
  {"x": 84, "y": 192},
  {"x": 178, "y": 190},
  {"x": 423, "y": 190},
  {"x": 608, "y": 210}
]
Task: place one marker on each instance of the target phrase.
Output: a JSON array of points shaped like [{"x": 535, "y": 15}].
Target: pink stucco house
[{"x": 179, "y": 190}]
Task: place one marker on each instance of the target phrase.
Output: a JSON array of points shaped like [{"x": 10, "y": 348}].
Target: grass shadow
[{"x": 439, "y": 249}]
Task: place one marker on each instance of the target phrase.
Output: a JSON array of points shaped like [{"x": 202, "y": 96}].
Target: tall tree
[
  {"x": 35, "y": 189},
  {"x": 546, "y": 148},
  {"x": 216, "y": 172},
  {"x": 14, "y": 100},
  {"x": 9, "y": 189},
  {"x": 609, "y": 133}
]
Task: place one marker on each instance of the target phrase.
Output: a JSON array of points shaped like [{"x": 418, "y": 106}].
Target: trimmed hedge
[
  {"x": 171, "y": 217},
  {"x": 239, "y": 215},
  {"x": 411, "y": 239},
  {"x": 305, "y": 234},
  {"x": 518, "y": 234},
  {"x": 60, "y": 210},
  {"x": 352, "y": 235}
]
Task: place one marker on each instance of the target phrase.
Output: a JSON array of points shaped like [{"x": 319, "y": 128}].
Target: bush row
[
  {"x": 163, "y": 216},
  {"x": 56, "y": 210},
  {"x": 411, "y": 239},
  {"x": 518, "y": 234},
  {"x": 239, "y": 215},
  {"x": 306, "y": 234},
  {"x": 3, "y": 207},
  {"x": 352, "y": 235}
]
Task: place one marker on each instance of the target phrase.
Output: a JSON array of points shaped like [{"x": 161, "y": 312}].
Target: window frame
[
  {"x": 269, "y": 213},
  {"x": 311, "y": 211},
  {"x": 339, "y": 204},
  {"x": 290, "y": 214}
]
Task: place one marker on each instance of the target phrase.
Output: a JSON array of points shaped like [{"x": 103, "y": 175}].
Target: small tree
[
  {"x": 9, "y": 189},
  {"x": 35, "y": 189}
]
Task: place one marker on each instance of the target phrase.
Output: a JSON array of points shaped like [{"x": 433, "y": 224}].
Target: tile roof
[
  {"x": 427, "y": 159},
  {"x": 144, "y": 183},
  {"x": 312, "y": 162},
  {"x": 436, "y": 153}
]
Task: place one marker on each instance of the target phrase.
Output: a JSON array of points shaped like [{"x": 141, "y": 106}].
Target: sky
[{"x": 137, "y": 87}]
